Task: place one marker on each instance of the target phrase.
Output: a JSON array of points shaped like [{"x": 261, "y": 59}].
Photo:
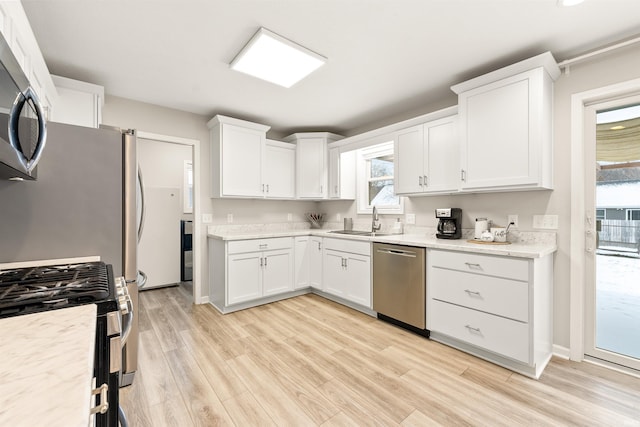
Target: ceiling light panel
[{"x": 275, "y": 59}]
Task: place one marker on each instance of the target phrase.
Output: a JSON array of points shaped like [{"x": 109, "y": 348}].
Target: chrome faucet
[{"x": 374, "y": 221}]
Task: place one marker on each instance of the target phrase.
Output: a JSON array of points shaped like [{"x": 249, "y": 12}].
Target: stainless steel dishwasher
[{"x": 399, "y": 285}]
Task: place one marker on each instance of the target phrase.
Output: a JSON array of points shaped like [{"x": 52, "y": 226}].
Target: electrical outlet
[
  {"x": 512, "y": 219},
  {"x": 207, "y": 218},
  {"x": 289, "y": 217},
  {"x": 338, "y": 217},
  {"x": 549, "y": 222},
  {"x": 229, "y": 218},
  {"x": 410, "y": 218}
]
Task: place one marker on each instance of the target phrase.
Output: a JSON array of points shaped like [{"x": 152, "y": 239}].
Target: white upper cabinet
[
  {"x": 279, "y": 170},
  {"x": 409, "y": 157},
  {"x": 79, "y": 103},
  {"x": 16, "y": 30},
  {"x": 506, "y": 140},
  {"x": 426, "y": 158},
  {"x": 237, "y": 149},
  {"x": 342, "y": 174},
  {"x": 312, "y": 163}
]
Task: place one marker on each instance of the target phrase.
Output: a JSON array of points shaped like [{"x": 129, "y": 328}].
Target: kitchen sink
[{"x": 360, "y": 233}]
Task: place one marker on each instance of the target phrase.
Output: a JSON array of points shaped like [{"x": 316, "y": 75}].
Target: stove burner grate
[{"x": 56, "y": 285}]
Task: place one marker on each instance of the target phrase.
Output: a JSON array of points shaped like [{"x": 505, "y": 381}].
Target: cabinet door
[
  {"x": 409, "y": 160},
  {"x": 311, "y": 166},
  {"x": 442, "y": 155},
  {"x": 315, "y": 262},
  {"x": 333, "y": 273},
  {"x": 277, "y": 272},
  {"x": 303, "y": 248},
  {"x": 241, "y": 161},
  {"x": 279, "y": 171},
  {"x": 244, "y": 277},
  {"x": 358, "y": 279},
  {"x": 334, "y": 173},
  {"x": 342, "y": 174},
  {"x": 498, "y": 120}
]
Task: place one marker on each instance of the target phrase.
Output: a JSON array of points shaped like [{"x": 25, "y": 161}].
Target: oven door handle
[
  {"x": 122, "y": 417},
  {"x": 127, "y": 320}
]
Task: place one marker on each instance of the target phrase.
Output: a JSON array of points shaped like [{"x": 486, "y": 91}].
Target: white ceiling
[{"x": 386, "y": 57}]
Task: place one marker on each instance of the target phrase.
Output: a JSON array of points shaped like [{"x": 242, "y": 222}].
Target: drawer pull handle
[
  {"x": 103, "y": 407},
  {"x": 472, "y": 265},
  {"x": 470, "y": 292},
  {"x": 263, "y": 246},
  {"x": 470, "y": 328}
]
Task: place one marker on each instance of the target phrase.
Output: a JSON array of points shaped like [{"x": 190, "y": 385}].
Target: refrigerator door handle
[{"x": 142, "y": 210}]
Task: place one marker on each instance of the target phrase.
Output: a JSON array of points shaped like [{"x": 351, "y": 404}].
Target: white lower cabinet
[
  {"x": 251, "y": 270},
  {"x": 496, "y": 307},
  {"x": 244, "y": 277},
  {"x": 315, "y": 262},
  {"x": 346, "y": 270},
  {"x": 308, "y": 262}
]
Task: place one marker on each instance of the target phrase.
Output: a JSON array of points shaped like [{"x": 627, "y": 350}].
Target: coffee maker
[{"x": 450, "y": 223}]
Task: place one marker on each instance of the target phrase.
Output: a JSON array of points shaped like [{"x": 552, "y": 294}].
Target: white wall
[{"x": 611, "y": 68}]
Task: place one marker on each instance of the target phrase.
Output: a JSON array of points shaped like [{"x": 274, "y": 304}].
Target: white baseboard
[
  {"x": 560, "y": 351},
  {"x": 203, "y": 300}
]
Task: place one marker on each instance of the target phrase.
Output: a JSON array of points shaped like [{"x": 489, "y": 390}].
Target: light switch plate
[
  {"x": 549, "y": 222},
  {"x": 207, "y": 218},
  {"x": 229, "y": 218},
  {"x": 410, "y": 218},
  {"x": 338, "y": 217},
  {"x": 289, "y": 217}
]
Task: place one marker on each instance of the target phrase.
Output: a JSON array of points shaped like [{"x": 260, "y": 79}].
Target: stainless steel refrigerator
[{"x": 83, "y": 204}]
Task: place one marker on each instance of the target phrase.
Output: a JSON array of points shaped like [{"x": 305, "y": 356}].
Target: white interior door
[
  {"x": 159, "y": 246},
  {"x": 612, "y": 262}
]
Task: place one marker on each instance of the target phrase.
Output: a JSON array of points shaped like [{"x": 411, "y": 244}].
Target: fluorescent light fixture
[
  {"x": 619, "y": 127},
  {"x": 275, "y": 59},
  {"x": 569, "y": 2}
]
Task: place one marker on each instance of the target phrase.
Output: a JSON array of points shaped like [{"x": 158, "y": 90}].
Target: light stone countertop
[
  {"x": 522, "y": 244},
  {"x": 46, "y": 367}
]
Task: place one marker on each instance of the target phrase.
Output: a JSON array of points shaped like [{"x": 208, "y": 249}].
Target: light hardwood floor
[{"x": 307, "y": 361}]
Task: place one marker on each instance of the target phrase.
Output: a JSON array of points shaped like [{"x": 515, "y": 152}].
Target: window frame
[{"x": 364, "y": 155}]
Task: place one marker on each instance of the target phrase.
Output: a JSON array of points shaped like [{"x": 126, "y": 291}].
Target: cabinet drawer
[
  {"x": 510, "y": 268},
  {"x": 351, "y": 246},
  {"x": 502, "y": 336},
  {"x": 255, "y": 245},
  {"x": 504, "y": 297}
]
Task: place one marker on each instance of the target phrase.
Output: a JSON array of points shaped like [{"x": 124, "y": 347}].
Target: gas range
[{"x": 27, "y": 290}]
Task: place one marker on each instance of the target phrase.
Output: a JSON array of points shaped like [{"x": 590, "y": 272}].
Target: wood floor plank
[
  {"x": 222, "y": 379},
  {"x": 201, "y": 401},
  {"x": 301, "y": 391},
  {"x": 308, "y": 361},
  {"x": 280, "y": 407},
  {"x": 419, "y": 419},
  {"x": 245, "y": 410}
]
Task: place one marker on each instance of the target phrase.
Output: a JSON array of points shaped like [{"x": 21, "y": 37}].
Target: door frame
[
  {"x": 579, "y": 102},
  {"x": 198, "y": 246}
]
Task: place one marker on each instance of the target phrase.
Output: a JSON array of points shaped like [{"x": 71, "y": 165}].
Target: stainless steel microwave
[{"x": 23, "y": 130}]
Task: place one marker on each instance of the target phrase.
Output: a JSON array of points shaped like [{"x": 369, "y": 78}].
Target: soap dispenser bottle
[{"x": 397, "y": 227}]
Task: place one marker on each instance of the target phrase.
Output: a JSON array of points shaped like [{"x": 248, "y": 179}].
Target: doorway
[
  {"x": 170, "y": 179},
  {"x": 612, "y": 207}
]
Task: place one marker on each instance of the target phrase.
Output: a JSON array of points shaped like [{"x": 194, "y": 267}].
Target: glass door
[{"x": 612, "y": 199}]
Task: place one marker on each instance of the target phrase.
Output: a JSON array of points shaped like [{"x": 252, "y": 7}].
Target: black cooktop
[{"x": 33, "y": 289}]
